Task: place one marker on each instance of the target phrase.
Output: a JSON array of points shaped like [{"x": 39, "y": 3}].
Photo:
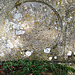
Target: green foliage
[{"x": 35, "y": 67}]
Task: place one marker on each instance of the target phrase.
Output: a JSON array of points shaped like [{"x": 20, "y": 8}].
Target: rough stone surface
[{"x": 31, "y": 30}]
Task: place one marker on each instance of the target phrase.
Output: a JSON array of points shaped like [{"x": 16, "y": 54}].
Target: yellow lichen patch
[
  {"x": 2, "y": 31},
  {"x": 52, "y": 13},
  {"x": 26, "y": 16},
  {"x": 73, "y": 12},
  {"x": 62, "y": 17},
  {"x": 3, "y": 22},
  {"x": 40, "y": 5},
  {"x": 36, "y": 23},
  {"x": 62, "y": 6},
  {"x": 31, "y": 45},
  {"x": 68, "y": 22},
  {"x": 45, "y": 58},
  {"x": 58, "y": 2},
  {"x": 38, "y": 38},
  {"x": 34, "y": 18},
  {"x": 69, "y": 1},
  {"x": 28, "y": 19},
  {"x": 48, "y": 44}
]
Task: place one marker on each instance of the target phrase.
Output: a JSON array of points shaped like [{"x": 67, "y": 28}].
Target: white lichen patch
[
  {"x": 50, "y": 58},
  {"x": 69, "y": 53},
  {"x": 5, "y": 46},
  {"x": 28, "y": 53},
  {"x": 56, "y": 28},
  {"x": 53, "y": 37},
  {"x": 47, "y": 50},
  {"x": 20, "y": 45},
  {"x": 2, "y": 54},
  {"x": 25, "y": 7},
  {"x": 17, "y": 41},
  {"x": 69, "y": 19},
  {"x": 18, "y": 16},
  {"x": 19, "y": 32},
  {"x": 13, "y": 10},
  {"x": 4, "y": 38},
  {"x": 15, "y": 26},
  {"x": 9, "y": 40},
  {"x": 55, "y": 57},
  {"x": 10, "y": 45}
]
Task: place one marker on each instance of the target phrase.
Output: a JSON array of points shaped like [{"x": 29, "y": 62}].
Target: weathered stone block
[{"x": 36, "y": 30}]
